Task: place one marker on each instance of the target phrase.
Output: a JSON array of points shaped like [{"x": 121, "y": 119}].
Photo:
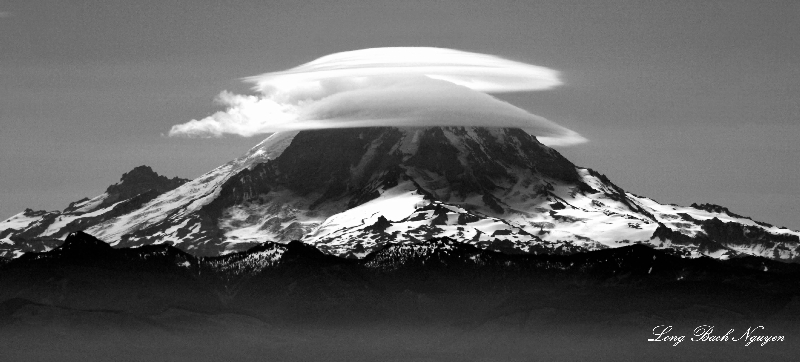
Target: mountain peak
[
  {"x": 468, "y": 158},
  {"x": 80, "y": 240},
  {"x": 142, "y": 171},
  {"x": 349, "y": 192},
  {"x": 140, "y": 179}
]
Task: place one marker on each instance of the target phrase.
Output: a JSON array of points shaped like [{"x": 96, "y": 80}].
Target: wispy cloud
[{"x": 386, "y": 87}]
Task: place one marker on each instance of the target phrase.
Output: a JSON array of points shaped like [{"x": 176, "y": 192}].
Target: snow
[
  {"x": 19, "y": 221},
  {"x": 184, "y": 199},
  {"x": 64, "y": 219},
  {"x": 341, "y": 233},
  {"x": 250, "y": 263},
  {"x": 531, "y": 215},
  {"x": 271, "y": 147},
  {"x": 590, "y": 220},
  {"x": 721, "y": 254},
  {"x": 394, "y": 204},
  {"x": 168, "y": 234},
  {"x": 91, "y": 204},
  {"x": 489, "y": 226},
  {"x": 280, "y": 209},
  {"x": 409, "y": 144},
  {"x": 191, "y": 196},
  {"x": 606, "y": 221}
]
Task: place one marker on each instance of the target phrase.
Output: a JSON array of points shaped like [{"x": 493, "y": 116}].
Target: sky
[{"x": 680, "y": 101}]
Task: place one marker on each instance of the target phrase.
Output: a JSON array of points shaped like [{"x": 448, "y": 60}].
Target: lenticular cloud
[{"x": 402, "y": 87}]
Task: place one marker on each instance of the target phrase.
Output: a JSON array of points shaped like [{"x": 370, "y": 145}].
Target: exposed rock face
[
  {"x": 349, "y": 192},
  {"x": 138, "y": 181}
]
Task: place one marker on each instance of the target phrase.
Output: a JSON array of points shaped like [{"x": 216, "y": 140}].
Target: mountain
[
  {"x": 43, "y": 230},
  {"x": 85, "y": 300},
  {"x": 461, "y": 264},
  {"x": 295, "y": 281},
  {"x": 352, "y": 192}
]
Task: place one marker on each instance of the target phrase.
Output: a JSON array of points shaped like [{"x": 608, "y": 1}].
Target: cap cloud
[{"x": 400, "y": 87}]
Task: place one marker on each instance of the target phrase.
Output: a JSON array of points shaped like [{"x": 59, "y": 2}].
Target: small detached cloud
[
  {"x": 5, "y": 14},
  {"x": 401, "y": 87}
]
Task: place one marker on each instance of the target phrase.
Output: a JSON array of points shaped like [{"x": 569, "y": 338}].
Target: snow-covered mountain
[
  {"x": 350, "y": 192},
  {"x": 43, "y": 230}
]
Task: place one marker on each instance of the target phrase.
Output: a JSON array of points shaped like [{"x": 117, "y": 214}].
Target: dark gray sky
[{"x": 682, "y": 101}]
